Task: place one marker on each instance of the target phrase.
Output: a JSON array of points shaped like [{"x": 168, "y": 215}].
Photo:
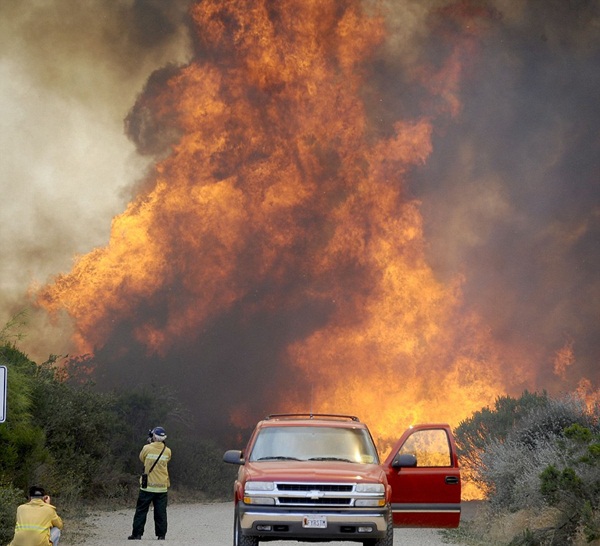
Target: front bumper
[{"x": 269, "y": 522}]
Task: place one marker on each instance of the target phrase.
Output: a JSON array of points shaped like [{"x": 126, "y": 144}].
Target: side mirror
[
  {"x": 233, "y": 456},
  {"x": 405, "y": 460}
]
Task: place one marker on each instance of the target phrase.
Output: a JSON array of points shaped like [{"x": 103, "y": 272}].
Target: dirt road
[{"x": 206, "y": 524}]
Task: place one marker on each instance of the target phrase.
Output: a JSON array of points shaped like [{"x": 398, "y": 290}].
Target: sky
[{"x": 509, "y": 195}]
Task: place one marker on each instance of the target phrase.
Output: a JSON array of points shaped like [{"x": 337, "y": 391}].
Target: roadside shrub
[
  {"x": 510, "y": 469},
  {"x": 590, "y": 519},
  {"x": 574, "y": 487},
  {"x": 551, "y": 419},
  {"x": 198, "y": 465},
  {"x": 489, "y": 425},
  {"x": 510, "y": 472},
  {"x": 10, "y": 498},
  {"x": 547, "y": 468},
  {"x": 82, "y": 445},
  {"x": 82, "y": 430},
  {"x": 22, "y": 437}
]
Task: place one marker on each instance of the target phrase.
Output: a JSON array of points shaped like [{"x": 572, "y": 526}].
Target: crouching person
[{"x": 38, "y": 524}]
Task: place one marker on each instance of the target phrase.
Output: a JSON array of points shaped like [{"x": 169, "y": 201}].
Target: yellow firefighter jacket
[
  {"x": 158, "y": 479},
  {"x": 34, "y": 521}
]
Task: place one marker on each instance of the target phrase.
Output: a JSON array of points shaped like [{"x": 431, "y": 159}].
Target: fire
[
  {"x": 564, "y": 358},
  {"x": 282, "y": 195}
]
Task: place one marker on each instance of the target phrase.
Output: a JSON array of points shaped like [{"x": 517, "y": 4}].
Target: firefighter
[
  {"x": 155, "y": 456},
  {"x": 38, "y": 524}
]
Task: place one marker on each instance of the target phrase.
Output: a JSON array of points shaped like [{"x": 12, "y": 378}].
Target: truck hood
[{"x": 314, "y": 471}]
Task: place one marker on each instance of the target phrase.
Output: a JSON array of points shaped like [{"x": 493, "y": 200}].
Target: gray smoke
[
  {"x": 69, "y": 73},
  {"x": 510, "y": 194}
]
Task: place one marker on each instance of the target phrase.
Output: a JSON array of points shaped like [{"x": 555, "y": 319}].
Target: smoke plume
[
  {"x": 69, "y": 73},
  {"x": 388, "y": 209}
]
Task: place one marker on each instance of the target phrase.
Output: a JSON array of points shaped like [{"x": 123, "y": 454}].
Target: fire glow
[{"x": 281, "y": 196}]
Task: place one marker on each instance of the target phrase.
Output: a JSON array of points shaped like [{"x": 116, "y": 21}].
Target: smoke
[
  {"x": 69, "y": 73},
  {"x": 511, "y": 192},
  {"x": 498, "y": 102}
]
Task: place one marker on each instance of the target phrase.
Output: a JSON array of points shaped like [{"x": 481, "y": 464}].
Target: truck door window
[{"x": 430, "y": 447}]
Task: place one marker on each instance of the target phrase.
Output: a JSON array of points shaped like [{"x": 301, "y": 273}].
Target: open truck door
[{"x": 422, "y": 470}]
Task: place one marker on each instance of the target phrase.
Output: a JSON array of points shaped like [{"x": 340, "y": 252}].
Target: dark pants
[{"x": 159, "y": 501}]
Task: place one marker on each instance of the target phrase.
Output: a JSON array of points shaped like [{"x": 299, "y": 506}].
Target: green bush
[
  {"x": 83, "y": 445},
  {"x": 545, "y": 463},
  {"x": 10, "y": 498},
  {"x": 473, "y": 435},
  {"x": 575, "y": 489},
  {"x": 22, "y": 437},
  {"x": 198, "y": 465},
  {"x": 510, "y": 468}
]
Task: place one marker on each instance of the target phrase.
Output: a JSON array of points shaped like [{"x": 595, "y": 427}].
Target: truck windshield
[{"x": 314, "y": 443}]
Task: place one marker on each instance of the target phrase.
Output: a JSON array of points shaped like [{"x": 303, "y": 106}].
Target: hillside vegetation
[
  {"x": 535, "y": 457},
  {"x": 83, "y": 445}
]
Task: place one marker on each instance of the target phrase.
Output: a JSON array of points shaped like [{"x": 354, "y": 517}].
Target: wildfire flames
[{"x": 275, "y": 258}]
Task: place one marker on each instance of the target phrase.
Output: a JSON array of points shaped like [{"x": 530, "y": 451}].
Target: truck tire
[
  {"x": 238, "y": 538},
  {"x": 388, "y": 539}
]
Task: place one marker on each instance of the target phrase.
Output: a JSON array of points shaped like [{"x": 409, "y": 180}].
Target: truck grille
[
  {"x": 313, "y": 487},
  {"x": 314, "y": 494},
  {"x": 303, "y": 501}
]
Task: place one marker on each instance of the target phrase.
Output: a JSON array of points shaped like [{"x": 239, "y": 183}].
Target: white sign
[{"x": 3, "y": 384}]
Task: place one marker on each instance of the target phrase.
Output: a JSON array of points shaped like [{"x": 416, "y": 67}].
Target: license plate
[{"x": 314, "y": 522}]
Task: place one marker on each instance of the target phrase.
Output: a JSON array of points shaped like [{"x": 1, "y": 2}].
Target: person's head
[
  {"x": 37, "y": 492},
  {"x": 159, "y": 434}
]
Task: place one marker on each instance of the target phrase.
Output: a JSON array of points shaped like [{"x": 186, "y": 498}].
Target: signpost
[{"x": 3, "y": 389}]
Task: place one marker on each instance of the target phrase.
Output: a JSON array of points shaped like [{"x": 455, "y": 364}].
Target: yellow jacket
[
  {"x": 158, "y": 480},
  {"x": 34, "y": 521}
]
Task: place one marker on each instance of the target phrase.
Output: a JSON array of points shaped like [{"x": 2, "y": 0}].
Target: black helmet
[
  {"x": 159, "y": 434},
  {"x": 36, "y": 491}
]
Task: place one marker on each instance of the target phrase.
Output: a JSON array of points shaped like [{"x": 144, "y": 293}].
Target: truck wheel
[
  {"x": 238, "y": 538},
  {"x": 388, "y": 539}
]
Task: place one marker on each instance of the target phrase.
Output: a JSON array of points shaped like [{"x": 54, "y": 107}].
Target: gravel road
[{"x": 209, "y": 525}]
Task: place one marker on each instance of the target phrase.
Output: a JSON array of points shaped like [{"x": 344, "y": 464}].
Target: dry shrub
[{"x": 500, "y": 528}]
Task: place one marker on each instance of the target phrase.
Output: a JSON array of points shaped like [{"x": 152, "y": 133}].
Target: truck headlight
[
  {"x": 253, "y": 490},
  {"x": 375, "y": 492},
  {"x": 259, "y": 486},
  {"x": 376, "y": 488}
]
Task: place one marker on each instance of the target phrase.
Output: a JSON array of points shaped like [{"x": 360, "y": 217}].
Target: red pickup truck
[{"x": 318, "y": 477}]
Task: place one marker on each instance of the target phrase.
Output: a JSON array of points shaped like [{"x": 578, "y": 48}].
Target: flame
[
  {"x": 564, "y": 358},
  {"x": 280, "y": 178}
]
